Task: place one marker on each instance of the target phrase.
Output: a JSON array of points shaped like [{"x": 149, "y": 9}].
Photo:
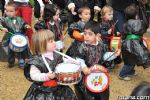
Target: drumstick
[{"x": 67, "y": 57}]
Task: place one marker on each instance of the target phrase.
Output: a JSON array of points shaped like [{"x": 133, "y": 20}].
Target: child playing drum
[
  {"x": 93, "y": 51},
  {"x": 12, "y": 25},
  {"x": 40, "y": 70},
  {"x": 108, "y": 31},
  {"x": 75, "y": 30}
]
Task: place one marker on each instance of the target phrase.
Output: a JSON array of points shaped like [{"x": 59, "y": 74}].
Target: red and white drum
[
  {"x": 18, "y": 43},
  {"x": 68, "y": 74},
  {"x": 98, "y": 80},
  {"x": 115, "y": 43}
]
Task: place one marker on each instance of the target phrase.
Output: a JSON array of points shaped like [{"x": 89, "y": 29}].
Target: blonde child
[
  {"x": 108, "y": 31},
  {"x": 44, "y": 85}
]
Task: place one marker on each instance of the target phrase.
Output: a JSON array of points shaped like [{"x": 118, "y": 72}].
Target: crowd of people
[{"x": 92, "y": 24}]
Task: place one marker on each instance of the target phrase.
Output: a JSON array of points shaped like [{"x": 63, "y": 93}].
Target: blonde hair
[
  {"x": 105, "y": 10},
  {"x": 39, "y": 41}
]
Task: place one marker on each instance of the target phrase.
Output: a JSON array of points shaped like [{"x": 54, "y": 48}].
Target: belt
[
  {"x": 132, "y": 37},
  {"x": 50, "y": 83}
]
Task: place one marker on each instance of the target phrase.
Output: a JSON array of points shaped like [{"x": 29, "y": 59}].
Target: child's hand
[
  {"x": 86, "y": 70},
  {"x": 97, "y": 9},
  {"x": 118, "y": 33},
  {"x": 118, "y": 51},
  {"x": 28, "y": 26},
  {"x": 110, "y": 31},
  {"x": 4, "y": 30},
  {"x": 51, "y": 75},
  {"x": 72, "y": 11}
]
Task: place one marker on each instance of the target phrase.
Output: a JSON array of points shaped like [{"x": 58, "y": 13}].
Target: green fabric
[
  {"x": 18, "y": 20},
  {"x": 132, "y": 37}
]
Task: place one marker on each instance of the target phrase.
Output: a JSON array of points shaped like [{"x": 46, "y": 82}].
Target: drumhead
[
  {"x": 97, "y": 82},
  {"x": 19, "y": 40},
  {"x": 66, "y": 68}
]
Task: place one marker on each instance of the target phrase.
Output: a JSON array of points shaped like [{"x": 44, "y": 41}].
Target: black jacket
[{"x": 121, "y": 4}]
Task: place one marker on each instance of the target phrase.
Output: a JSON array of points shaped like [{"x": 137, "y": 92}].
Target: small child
[
  {"x": 133, "y": 50},
  {"x": 93, "y": 51},
  {"x": 40, "y": 70},
  {"x": 51, "y": 21},
  {"x": 11, "y": 25},
  {"x": 107, "y": 30},
  {"x": 75, "y": 30}
]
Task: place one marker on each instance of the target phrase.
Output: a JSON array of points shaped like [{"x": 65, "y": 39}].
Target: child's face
[
  {"x": 56, "y": 17},
  {"x": 51, "y": 45},
  {"x": 108, "y": 16},
  {"x": 85, "y": 15},
  {"x": 89, "y": 37},
  {"x": 10, "y": 11}
]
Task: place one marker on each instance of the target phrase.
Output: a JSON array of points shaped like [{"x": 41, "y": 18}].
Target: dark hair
[
  {"x": 93, "y": 26},
  {"x": 131, "y": 11},
  {"x": 49, "y": 12},
  {"x": 12, "y": 4},
  {"x": 143, "y": 89},
  {"x": 82, "y": 9}
]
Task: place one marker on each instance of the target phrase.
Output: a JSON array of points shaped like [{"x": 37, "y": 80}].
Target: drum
[
  {"x": 146, "y": 42},
  {"x": 18, "y": 43},
  {"x": 68, "y": 74},
  {"x": 60, "y": 45},
  {"x": 98, "y": 80},
  {"x": 115, "y": 43}
]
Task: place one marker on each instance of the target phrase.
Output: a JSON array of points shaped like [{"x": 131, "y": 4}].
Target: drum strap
[
  {"x": 96, "y": 56},
  {"x": 46, "y": 63}
]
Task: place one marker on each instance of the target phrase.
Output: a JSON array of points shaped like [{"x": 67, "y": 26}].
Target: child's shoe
[
  {"x": 21, "y": 63},
  {"x": 127, "y": 78}
]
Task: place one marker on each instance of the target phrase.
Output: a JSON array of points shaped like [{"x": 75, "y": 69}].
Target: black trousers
[{"x": 20, "y": 55}]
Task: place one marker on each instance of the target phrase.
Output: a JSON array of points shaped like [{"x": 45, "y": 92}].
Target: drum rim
[
  {"x": 105, "y": 70},
  {"x": 21, "y": 35},
  {"x": 108, "y": 78}
]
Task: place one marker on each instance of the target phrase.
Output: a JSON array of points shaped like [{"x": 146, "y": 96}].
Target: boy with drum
[
  {"x": 93, "y": 51},
  {"x": 12, "y": 25}
]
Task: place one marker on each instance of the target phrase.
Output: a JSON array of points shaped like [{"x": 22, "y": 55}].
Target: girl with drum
[
  {"x": 75, "y": 30},
  {"x": 108, "y": 32},
  {"x": 40, "y": 70},
  {"x": 93, "y": 51},
  {"x": 13, "y": 25}
]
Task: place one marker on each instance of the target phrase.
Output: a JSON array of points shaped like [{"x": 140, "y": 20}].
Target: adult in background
[{"x": 2, "y": 3}]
